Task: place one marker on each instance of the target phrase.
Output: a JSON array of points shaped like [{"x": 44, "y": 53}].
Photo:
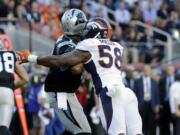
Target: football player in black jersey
[
  {"x": 61, "y": 83},
  {"x": 8, "y": 67}
]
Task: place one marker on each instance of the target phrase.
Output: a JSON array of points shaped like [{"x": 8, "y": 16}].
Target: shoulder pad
[
  {"x": 63, "y": 45},
  {"x": 64, "y": 41}
]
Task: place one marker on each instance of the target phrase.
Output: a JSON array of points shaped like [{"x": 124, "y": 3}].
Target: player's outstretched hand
[{"x": 23, "y": 56}]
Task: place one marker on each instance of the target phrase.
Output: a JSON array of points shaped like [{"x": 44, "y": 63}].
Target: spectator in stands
[
  {"x": 156, "y": 73},
  {"x": 175, "y": 104},
  {"x": 44, "y": 2},
  {"x": 131, "y": 54},
  {"x": 156, "y": 3},
  {"x": 132, "y": 35},
  {"x": 109, "y": 4},
  {"x": 117, "y": 35},
  {"x": 117, "y": 2},
  {"x": 20, "y": 12},
  {"x": 173, "y": 23},
  {"x": 34, "y": 17},
  {"x": 34, "y": 12},
  {"x": 99, "y": 12},
  {"x": 122, "y": 15},
  {"x": 52, "y": 22},
  {"x": 158, "y": 50},
  {"x": 26, "y": 4},
  {"x": 147, "y": 46},
  {"x": 149, "y": 13},
  {"x": 171, "y": 4},
  {"x": 75, "y": 3},
  {"x": 178, "y": 8},
  {"x": 164, "y": 85},
  {"x": 129, "y": 78},
  {"x": 131, "y": 2},
  {"x": 161, "y": 24},
  {"x": 85, "y": 10},
  {"x": 33, "y": 105},
  {"x": 63, "y": 4},
  {"x": 11, "y": 9},
  {"x": 163, "y": 12},
  {"x": 50, "y": 123},
  {"x": 4, "y": 8},
  {"x": 98, "y": 7},
  {"x": 146, "y": 90},
  {"x": 136, "y": 12}
]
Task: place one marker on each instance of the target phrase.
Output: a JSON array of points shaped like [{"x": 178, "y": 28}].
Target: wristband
[{"x": 32, "y": 58}]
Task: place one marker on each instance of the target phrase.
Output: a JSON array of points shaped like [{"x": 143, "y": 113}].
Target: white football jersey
[
  {"x": 105, "y": 62},
  {"x": 118, "y": 105}
]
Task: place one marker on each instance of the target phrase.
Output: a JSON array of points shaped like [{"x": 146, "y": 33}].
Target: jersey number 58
[{"x": 108, "y": 53}]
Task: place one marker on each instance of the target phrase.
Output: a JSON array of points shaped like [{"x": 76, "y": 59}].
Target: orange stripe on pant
[{"x": 20, "y": 107}]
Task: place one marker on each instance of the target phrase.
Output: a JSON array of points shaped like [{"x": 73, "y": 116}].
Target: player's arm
[
  {"x": 68, "y": 59},
  {"x": 77, "y": 69},
  {"x": 23, "y": 76}
]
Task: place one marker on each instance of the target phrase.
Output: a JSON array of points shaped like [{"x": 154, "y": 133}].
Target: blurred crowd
[
  {"x": 155, "y": 87},
  {"x": 143, "y": 44},
  {"x": 157, "y": 91}
]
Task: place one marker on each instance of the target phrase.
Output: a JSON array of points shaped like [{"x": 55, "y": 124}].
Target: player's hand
[
  {"x": 23, "y": 56},
  {"x": 113, "y": 90}
]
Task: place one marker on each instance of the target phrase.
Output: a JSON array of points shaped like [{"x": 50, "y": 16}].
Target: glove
[
  {"x": 23, "y": 56},
  {"x": 113, "y": 90},
  {"x": 94, "y": 114}
]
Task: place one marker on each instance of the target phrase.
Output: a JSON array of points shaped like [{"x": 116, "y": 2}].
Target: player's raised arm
[{"x": 69, "y": 59}]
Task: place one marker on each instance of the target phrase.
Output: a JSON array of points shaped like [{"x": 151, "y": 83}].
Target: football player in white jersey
[{"x": 102, "y": 59}]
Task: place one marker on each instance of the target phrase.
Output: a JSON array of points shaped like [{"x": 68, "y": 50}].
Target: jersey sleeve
[
  {"x": 87, "y": 45},
  {"x": 83, "y": 45}
]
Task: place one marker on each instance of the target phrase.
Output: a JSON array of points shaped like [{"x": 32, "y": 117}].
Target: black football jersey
[
  {"x": 7, "y": 65},
  {"x": 61, "y": 79}
]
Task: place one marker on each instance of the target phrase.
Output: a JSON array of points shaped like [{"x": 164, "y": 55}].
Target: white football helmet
[{"x": 73, "y": 22}]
